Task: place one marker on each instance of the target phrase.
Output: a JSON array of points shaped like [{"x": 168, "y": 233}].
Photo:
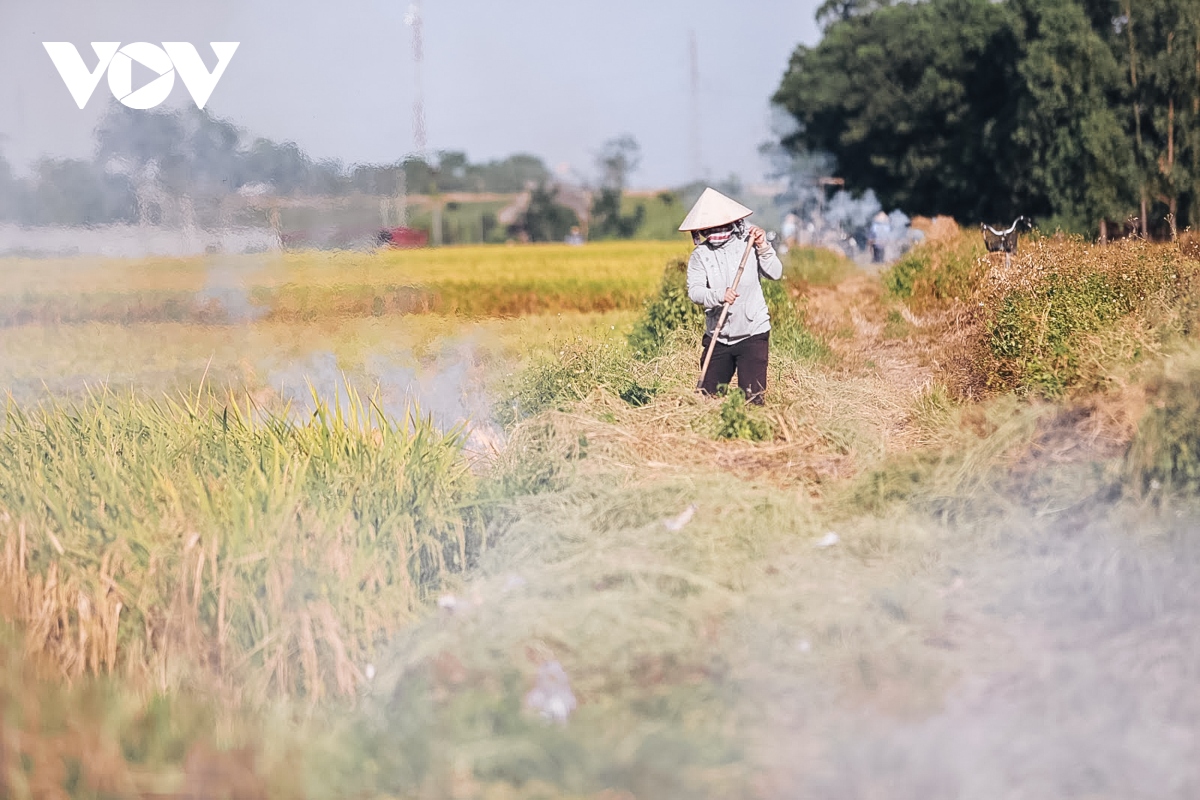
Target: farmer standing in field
[{"x": 722, "y": 238}]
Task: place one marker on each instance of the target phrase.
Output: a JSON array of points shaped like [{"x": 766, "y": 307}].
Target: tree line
[
  {"x": 143, "y": 156},
  {"x": 1084, "y": 114},
  {"x": 191, "y": 153},
  {"x": 177, "y": 166}
]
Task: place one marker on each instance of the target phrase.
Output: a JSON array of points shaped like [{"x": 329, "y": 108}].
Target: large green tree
[
  {"x": 918, "y": 102},
  {"x": 1164, "y": 53},
  {"x": 547, "y": 220},
  {"x": 8, "y": 190},
  {"x": 1069, "y": 117},
  {"x": 1079, "y": 110},
  {"x": 1157, "y": 45}
]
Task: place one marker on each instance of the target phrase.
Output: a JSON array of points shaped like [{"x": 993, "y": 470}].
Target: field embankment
[{"x": 1063, "y": 317}]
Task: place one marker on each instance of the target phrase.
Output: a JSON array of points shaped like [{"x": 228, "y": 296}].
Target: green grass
[
  {"x": 558, "y": 381},
  {"x": 669, "y": 311},
  {"x": 1080, "y": 312},
  {"x": 1066, "y": 316},
  {"x": 739, "y": 420},
  {"x": 938, "y": 271},
  {"x": 818, "y": 266}
]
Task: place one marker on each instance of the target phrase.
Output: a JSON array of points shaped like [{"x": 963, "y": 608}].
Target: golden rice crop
[
  {"x": 475, "y": 281},
  {"x": 146, "y": 537},
  {"x": 638, "y": 262}
]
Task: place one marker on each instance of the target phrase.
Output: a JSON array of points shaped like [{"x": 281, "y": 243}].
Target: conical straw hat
[{"x": 712, "y": 210}]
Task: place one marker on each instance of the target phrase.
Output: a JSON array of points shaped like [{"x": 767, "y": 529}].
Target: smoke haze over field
[
  {"x": 543, "y": 77},
  {"x": 1064, "y": 664},
  {"x": 448, "y": 388}
]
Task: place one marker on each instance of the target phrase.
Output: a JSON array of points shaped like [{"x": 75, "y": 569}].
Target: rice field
[
  {"x": 154, "y": 469},
  {"x": 145, "y": 535},
  {"x": 292, "y": 542},
  {"x": 439, "y": 323},
  {"x": 477, "y": 281}
]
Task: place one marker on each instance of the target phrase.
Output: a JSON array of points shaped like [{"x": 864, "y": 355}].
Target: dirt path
[{"x": 871, "y": 336}]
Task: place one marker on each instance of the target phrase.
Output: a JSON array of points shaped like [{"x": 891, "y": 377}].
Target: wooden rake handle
[{"x": 724, "y": 313}]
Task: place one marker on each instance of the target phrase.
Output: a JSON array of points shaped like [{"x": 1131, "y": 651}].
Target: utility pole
[
  {"x": 401, "y": 197},
  {"x": 694, "y": 110},
  {"x": 413, "y": 20}
]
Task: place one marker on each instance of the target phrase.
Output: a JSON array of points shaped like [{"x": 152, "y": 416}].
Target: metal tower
[
  {"x": 694, "y": 73},
  {"x": 413, "y": 20}
]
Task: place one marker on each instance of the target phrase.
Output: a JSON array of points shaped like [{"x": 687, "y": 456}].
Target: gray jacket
[{"x": 710, "y": 273}]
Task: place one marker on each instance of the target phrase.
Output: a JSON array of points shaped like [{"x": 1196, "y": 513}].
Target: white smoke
[
  {"x": 227, "y": 288},
  {"x": 447, "y": 388},
  {"x": 852, "y": 214}
]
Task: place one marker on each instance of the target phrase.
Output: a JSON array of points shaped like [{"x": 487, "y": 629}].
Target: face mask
[{"x": 717, "y": 237}]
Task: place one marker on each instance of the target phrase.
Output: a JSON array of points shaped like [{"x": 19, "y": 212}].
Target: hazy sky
[{"x": 553, "y": 77}]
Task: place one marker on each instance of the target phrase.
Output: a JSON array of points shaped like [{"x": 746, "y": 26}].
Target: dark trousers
[{"x": 748, "y": 358}]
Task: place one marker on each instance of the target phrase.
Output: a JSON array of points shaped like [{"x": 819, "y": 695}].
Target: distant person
[
  {"x": 881, "y": 234},
  {"x": 791, "y": 227},
  {"x": 721, "y": 236},
  {"x": 781, "y": 247},
  {"x": 575, "y": 236}
]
